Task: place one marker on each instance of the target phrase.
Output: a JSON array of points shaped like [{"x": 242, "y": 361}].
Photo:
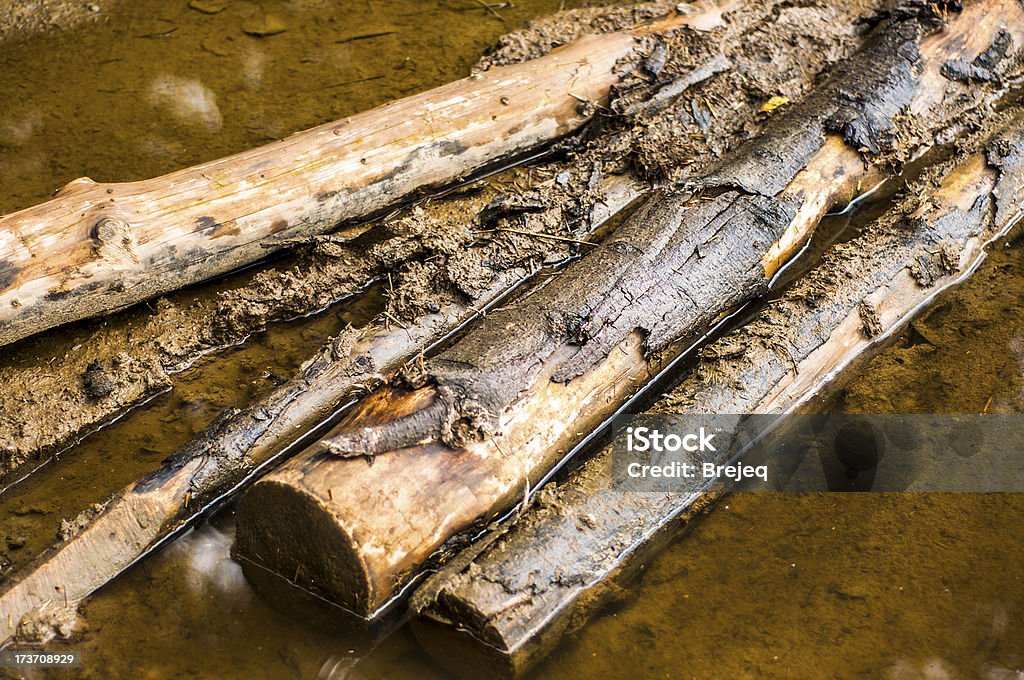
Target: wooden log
[
  {"x": 456, "y": 441},
  {"x": 95, "y": 248},
  {"x": 507, "y": 603},
  {"x": 242, "y": 442},
  {"x": 134, "y": 355}
]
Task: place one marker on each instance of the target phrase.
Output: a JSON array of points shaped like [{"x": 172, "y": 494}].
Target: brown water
[{"x": 848, "y": 586}]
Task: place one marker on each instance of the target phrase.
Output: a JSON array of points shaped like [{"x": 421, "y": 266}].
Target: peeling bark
[
  {"x": 455, "y": 439},
  {"x": 507, "y": 604}
]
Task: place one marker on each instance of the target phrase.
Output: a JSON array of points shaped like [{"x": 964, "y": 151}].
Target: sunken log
[
  {"x": 95, "y": 248},
  {"x": 460, "y": 437},
  {"x": 507, "y": 603}
]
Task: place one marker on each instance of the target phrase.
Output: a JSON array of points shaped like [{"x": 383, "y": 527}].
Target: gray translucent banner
[{"x": 800, "y": 453}]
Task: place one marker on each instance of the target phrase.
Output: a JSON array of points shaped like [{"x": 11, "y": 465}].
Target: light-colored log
[{"x": 95, "y": 248}]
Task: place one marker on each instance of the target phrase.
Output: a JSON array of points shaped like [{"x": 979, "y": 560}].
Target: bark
[
  {"x": 84, "y": 380},
  {"x": 458, "y": 438},
  {"x": 508, "y": 603},
  {"x": 95, "y": 248},
  {"x": 577, "y": 197}
]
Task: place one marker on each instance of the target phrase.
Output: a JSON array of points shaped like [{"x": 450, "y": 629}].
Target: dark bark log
[
  {"x": 508, "y": 603},
  {"x": 457, "y": 439}
]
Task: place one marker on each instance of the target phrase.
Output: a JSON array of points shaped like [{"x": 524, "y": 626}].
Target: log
[
  {"x": 135, "y": 355},
  {"x": 506, "y": 604},
  {"x": 95, "y": 248},
  {"x": 241, "y": 442},
  {"x": 457, "y": 439}
]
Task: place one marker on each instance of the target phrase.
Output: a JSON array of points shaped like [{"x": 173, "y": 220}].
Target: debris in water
[
  {"x": 209, "y": 6},
  {"x": 264, "y": 26},
  {"x": 45, "y": 623}
]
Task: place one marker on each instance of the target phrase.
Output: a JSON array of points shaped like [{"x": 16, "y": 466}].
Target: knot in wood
[{"x": 114, "y": 241}]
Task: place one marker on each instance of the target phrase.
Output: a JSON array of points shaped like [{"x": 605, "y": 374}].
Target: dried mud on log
[
  {"x": 564, "y": 199},
  {"x": 86, "y": 380},
  {"x": 512, "y": 597},
  {"x": 457, "y": 438}
]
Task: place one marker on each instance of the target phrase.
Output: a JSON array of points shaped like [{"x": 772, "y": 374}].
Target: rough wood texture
[
  {"x": 456, "y": 440},
  {"x": 241, "y": 442},
  {"x": 507, "y": 603},
  {"x": 95, "y": 248}
]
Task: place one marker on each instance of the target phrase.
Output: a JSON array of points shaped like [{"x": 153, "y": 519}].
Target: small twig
[
  {"x": 537, "y": 235},
  {"x": 394, "y": 319},
  {"x": 490, "y": 9}
]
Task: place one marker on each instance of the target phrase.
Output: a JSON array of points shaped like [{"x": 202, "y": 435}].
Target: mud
[
  {"x": 682, "y": 261},
  {"x": 423, "y": 255},
  {"x": 22, "y": 19}
]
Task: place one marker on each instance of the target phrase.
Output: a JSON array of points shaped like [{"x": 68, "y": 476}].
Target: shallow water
[{"x": 849, "y": 586}]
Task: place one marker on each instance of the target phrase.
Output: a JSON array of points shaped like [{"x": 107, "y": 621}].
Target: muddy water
[
  {"x": 895, "y": 586},
  {"x": 787, "y": 586}
]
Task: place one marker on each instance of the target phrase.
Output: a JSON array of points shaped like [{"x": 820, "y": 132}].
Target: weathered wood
[
  {"x": 95, "y": 248},
  {"x": 460, "y": 438},
  {"x": 241, "y": 442},
  {"x": 509, "y": 602}
]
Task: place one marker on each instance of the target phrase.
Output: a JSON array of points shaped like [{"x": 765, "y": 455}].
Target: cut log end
[{"x": 273, "y": 515}]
